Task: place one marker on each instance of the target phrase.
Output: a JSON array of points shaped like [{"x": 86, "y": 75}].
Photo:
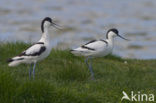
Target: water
[{"x": 83, "y": 20}]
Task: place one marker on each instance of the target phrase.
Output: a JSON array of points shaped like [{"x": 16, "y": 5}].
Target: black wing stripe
[
  {"x": 91, "y": 42},
  {"x": 83, "y": 46},
  {"x": 34, "y": 54},
  {"x": 39, "y": 43},
  {"x": 42, "y": 49},
  {"x": 104, "y": 41},
  {"x": 11, "y": 60}
]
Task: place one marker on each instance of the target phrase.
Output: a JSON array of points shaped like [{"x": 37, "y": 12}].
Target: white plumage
[
  {"x": 36, "y": 52},
  {"x": 33, "y": 54},
  {"x": 97, "y": 48}
]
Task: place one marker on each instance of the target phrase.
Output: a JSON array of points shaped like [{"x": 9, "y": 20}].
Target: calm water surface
[{"x": 83, "y": 20}]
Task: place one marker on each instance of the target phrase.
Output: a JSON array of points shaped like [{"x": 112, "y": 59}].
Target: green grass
[{"x": 64, "y": 78}]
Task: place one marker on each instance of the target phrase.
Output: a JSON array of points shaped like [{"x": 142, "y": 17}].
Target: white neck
[
  {"x": 110, "y": 41},
  {"x": 45, "y": 36}
]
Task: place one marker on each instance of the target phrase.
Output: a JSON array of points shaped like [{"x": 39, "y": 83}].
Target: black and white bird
[
  {"x": 97, "y": 48},
  {"x": 36, "y": 52}
]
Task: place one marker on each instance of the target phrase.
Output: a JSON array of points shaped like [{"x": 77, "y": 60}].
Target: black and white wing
[
  {"x": 90, "y": 47},
  {"x": 35, "y": 50}
]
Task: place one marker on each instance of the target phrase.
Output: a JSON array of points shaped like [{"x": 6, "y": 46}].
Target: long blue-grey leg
[
  {"x": 34, "y": 70},
  {"x": 30, "y": 69},
  {"x": 90, "y": 67},
  {"x": 86, "y": 61}
]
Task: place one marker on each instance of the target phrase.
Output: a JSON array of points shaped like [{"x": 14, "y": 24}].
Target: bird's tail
[
  {"x": 14, "y": 61},
  {"x": 73, "y": 51},
  {"x": 76, "y": 52}
]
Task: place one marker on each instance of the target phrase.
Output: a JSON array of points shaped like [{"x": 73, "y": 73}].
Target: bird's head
[
  {"x": 47, "y": 22},
  {"x": 112, "y": 33}
]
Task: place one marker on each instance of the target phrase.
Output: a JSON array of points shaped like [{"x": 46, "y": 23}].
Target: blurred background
[{"x": 82, "y": 21}]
